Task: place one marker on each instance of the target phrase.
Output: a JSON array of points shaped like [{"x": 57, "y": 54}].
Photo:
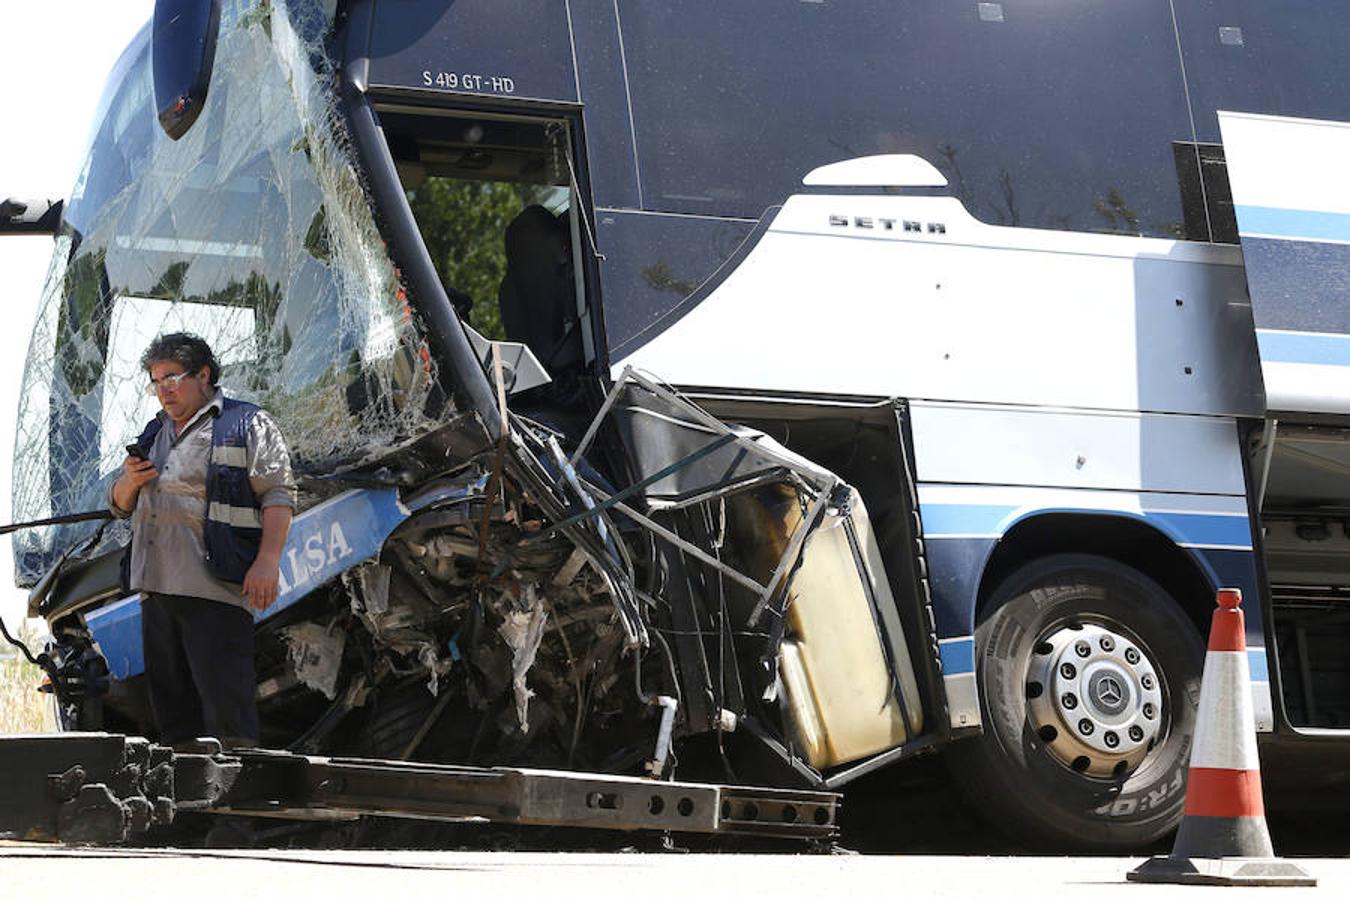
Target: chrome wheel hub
[{"x": 1094, "y": 699}]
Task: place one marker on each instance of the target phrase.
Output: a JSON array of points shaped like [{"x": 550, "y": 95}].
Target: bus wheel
[{"x": 1089, "y": 677}]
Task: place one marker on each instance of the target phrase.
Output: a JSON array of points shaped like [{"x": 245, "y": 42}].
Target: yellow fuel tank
[{"x": 839, "y": 689}]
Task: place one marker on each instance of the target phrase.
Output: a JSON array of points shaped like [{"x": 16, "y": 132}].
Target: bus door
[
  {"x": 1292, "y": 206},
  {"x": 479, "y": 106}
]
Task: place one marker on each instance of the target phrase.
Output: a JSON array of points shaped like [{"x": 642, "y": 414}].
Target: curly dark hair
[{"x": 188, "y": 350}]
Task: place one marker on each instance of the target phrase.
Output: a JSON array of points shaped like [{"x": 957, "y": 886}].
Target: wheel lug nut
[
  {"x": 1131, "y": 656},
  {"x": 1147, "y": 681},
  {"x": 1068, "y": 670},
  {"x": 1082, "y": 649},
  {"x": 1085, "y": 726},
  {"x": 1148, "y": 710},
  {"x": 1136, "y": 733},
  {"x": 1112, "y": 739},
  {"x": 1068, "y": 701},
  {"x": 1107, "y": 643}
]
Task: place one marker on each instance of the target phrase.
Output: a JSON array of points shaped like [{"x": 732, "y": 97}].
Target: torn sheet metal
[
  {"x": 315, "y": 653},
  {"x": 687, "y": 458},
  {"x": 434, "y": 664},
  {"x": 522, "y": 629},
  {"x": 398, "y": 623},
  {"x": 374, "y": 597},
  {"x": 785, "y": 551},
  {"x": 666, "y": 433}
]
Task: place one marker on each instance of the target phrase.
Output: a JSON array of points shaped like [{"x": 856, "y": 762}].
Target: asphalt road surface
[
  {"x": 376, "y": 875},
  {"x": 916, "y": 808}
]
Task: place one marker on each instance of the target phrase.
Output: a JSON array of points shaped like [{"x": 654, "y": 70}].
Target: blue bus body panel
[
  {"x": 698, "y": 114},
  {"x": 323, "y": 542},
  {"x": 521, "y": 50},
  {"x": 1293, "y": 215},
  {"x": 960, "y": 537}
]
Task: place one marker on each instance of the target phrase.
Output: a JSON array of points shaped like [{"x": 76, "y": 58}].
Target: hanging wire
[{"x": 556, "y": 133}]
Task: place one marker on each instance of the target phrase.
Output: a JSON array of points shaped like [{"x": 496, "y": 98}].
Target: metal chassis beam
[
  {"x": 283, "y": 782},
  {"x": 104, "y": 788}
]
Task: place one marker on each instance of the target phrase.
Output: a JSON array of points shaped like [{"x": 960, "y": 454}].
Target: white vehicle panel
[
  {"x": 839, "y": 298},
  {"x": 962, "y": 443},
  {"x": 1268, "y": 156},
  {"x": 955, "y": 511},
  {"x": 886, "y": 170}
]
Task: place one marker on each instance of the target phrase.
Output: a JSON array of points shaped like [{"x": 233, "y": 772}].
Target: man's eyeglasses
[{"x": 167, "y": 383}]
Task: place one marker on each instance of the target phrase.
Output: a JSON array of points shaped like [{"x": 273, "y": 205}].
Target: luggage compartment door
[{"x": 1292, "y": 202}]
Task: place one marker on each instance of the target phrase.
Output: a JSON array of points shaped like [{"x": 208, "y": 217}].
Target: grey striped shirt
[{"x": 168, "y": 554}]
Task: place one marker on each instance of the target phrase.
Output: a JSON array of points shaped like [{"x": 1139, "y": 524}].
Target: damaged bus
[{"x": 769, "y": 393}]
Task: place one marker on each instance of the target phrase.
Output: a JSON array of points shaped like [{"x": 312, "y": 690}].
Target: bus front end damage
[
  {"x": 528, "y": 643},
  {"x": 495, "y": 565}
]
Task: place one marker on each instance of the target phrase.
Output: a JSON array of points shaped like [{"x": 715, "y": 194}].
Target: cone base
[{"x": 1231, "y": 870}]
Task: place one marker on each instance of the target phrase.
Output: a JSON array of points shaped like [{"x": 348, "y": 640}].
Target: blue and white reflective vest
[{"x": 233, "y": 527}]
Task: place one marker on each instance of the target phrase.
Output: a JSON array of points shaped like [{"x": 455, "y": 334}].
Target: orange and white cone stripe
[
  {"x": 1224, "y": 783},
  {"x": 1223, "y": 837}
]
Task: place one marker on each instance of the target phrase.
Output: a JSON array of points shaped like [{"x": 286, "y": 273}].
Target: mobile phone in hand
[{"x": 135, "y": 452}]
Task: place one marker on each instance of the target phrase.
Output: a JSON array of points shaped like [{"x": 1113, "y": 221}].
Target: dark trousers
[{"x": 199, "y": 669}]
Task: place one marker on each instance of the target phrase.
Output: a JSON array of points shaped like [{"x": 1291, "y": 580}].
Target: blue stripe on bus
[
  {"x": 323, "y": 542},
  {"x": 958, "y": 656},
  {"x": 1206, "y": 530},
  {"x": 1270, "y": 221},
  {"x": 964, "y": 518},
  {"x": 1256, "y": 663},
  {"x": 1203, "y": 529},
  {"x": 1311, "y": 349}
]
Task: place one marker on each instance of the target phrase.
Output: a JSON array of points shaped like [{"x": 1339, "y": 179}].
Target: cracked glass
[{"x": 254, "y": 231}]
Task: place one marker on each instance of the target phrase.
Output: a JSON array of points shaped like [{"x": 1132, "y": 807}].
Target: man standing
[{"x": 209, "y": 491}]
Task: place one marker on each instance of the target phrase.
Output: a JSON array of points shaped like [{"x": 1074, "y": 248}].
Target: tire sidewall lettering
[{"x": 1055, "y": 804}]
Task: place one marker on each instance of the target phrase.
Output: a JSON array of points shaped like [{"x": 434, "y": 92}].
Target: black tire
[
  {"x": 394, "y": 719},
  {"x": 1010, "y": 775}
]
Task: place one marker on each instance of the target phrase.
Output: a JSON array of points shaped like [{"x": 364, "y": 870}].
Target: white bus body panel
[
  {"x": 972, "y": 444},
  {"x": 960, "y": 310},
  {"x": 1046, "y": 371}
]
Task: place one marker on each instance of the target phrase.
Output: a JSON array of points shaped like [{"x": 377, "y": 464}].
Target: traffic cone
[{"x": 1223, "y": 837}]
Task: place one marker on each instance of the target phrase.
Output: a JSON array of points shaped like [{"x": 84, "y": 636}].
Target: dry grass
[{"x": 22, "y": 709}]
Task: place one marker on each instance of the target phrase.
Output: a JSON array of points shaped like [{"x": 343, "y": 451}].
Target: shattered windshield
[{"x": 252, "y": 231}]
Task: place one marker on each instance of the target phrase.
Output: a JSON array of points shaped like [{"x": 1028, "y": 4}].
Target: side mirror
[
  {"x": 182, "y": 53},
  {"x": 30, "y": 216}
]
